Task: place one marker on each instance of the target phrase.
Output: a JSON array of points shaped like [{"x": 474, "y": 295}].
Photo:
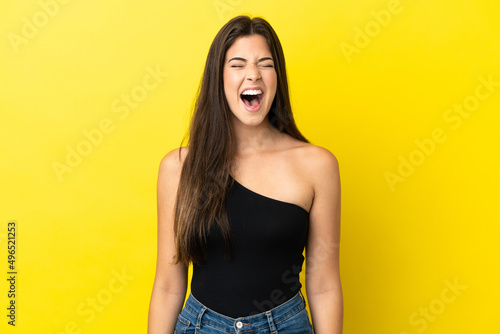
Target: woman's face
[{"x": 249, "y": 79}]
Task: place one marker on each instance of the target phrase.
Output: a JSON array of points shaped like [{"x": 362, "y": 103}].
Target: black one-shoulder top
[{"x": 269, "y": 237}]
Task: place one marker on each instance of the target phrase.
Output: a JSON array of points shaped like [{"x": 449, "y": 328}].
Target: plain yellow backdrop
[{"x": 405, "y": 93}]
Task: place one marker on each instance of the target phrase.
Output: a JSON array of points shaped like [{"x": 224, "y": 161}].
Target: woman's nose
[{"x": 253, "y": 72}]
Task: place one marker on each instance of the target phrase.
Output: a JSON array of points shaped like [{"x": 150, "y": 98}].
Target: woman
[{"x": 243, "y": 200}]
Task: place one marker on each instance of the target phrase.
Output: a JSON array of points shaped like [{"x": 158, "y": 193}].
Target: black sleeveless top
[{"x": 269, "y": 237}]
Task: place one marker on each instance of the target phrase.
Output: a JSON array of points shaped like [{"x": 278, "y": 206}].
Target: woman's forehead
[{"x": 254, "y": 45}]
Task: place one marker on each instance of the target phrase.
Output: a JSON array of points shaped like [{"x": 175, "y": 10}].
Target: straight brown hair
[{"x": 204, "y": 180}]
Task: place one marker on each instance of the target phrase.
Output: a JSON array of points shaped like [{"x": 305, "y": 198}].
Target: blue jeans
[{"x": 290, "y": 317}]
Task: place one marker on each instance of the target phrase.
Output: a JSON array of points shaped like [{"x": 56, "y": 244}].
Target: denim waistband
[{"x": 200, "y": 315}]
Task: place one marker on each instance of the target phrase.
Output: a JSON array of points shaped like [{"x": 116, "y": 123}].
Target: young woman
[{"x": 243, "y": 200}]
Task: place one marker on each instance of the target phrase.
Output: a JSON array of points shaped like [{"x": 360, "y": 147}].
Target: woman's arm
[
  {"x": 170, "y": 284},
  {"x": 323, "y": 286}
]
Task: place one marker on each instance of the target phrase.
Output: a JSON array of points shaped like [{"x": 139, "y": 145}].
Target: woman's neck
[{"x": 255, "y": 139}]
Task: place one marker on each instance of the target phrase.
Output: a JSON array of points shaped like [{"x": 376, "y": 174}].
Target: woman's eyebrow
[
  {"x": 243, "y": 59},
  {"x": 266, "y": 58},
  {"x": 237, "y": 58}
]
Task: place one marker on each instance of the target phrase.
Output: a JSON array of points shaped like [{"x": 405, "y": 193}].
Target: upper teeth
[{"x": 252, "y": 92}]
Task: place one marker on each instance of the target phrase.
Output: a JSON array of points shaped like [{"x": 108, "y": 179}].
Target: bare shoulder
[
  {"x": 172, "y": 161},
  {"x": 170, "y": 169},
  {"x": 320, "y": 168},
  {"x": 317, "y": 161}
]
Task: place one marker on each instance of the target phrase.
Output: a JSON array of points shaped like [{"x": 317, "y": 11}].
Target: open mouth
[{"x": 252, "y": 97}]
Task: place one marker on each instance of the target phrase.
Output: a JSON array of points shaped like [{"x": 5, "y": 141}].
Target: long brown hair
[{"x": 204, "y": 180}]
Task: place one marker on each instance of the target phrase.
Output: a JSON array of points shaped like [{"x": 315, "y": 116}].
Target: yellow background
[{"x": 401, "y": 243}]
